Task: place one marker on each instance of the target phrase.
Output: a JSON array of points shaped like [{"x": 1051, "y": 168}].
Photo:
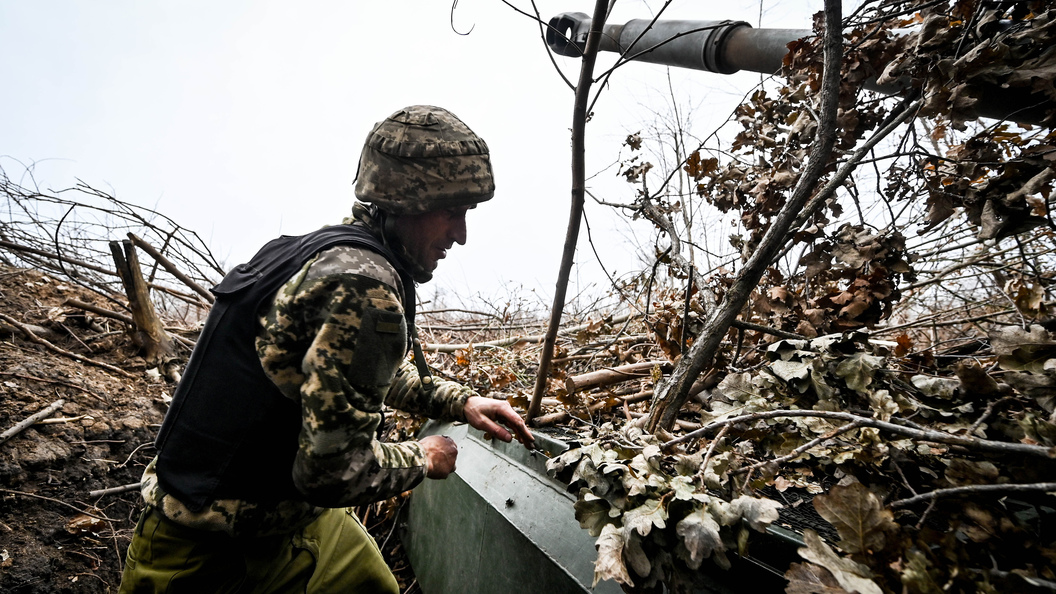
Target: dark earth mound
[
  {"x": 55, "y": 536},
  {"x": 57, "y": 533}
]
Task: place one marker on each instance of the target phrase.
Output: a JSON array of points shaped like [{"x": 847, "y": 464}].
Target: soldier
[{"x": 271, "y": 435}]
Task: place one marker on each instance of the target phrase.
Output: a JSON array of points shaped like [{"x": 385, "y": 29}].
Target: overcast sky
[{"x": 242, "y": 120}]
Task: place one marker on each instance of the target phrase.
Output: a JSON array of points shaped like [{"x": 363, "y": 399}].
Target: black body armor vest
[{"x": 230, "y": 433}]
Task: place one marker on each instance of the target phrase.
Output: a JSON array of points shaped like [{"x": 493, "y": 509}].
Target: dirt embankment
[
  {"x": 55, "y": 536},
  {"x": 59, "y": 532}
]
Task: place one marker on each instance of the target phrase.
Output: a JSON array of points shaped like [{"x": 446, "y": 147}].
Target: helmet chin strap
[{"x": 387, "y": 224}]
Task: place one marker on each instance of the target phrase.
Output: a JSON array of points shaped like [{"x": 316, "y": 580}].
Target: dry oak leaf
[
  {"x": 644, "y": 517},
  {"x": 859, "y": 517},
  {"x": 758, "y": 512},
  {"x": 84, "y": 524},
  {"x": 858, "y": 370},
  {"x": 852, "y": 577},
  {"x": 807, "y": 578},
  {"x": 700, "y": 535},
  {"x": 609, "y": 564},
  {"x": 904, "y": 345}
]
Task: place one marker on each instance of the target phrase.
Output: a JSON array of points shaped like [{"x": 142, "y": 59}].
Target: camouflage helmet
[{"x": 423, "y": 158}]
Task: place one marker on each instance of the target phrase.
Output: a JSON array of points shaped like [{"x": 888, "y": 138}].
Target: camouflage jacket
[{"x": 334, "y": 340}]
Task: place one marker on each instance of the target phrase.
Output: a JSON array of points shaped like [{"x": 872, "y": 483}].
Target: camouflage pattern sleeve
[
  {"x": 446, "y": 403},
  {"x": 333, "y": 340}
]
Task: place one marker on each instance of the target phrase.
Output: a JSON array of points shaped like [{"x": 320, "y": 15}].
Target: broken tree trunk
[
  {"x": 172, "y": 268},
  {"x": 148, "y": 333}
]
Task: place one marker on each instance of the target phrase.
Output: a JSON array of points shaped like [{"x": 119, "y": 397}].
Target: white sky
[{"x": 242, "y": 120}]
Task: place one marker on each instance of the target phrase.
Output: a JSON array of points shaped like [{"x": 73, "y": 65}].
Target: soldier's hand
[
  {"x": 486, "y": 414},
  {"x": 440, "y": 452}
]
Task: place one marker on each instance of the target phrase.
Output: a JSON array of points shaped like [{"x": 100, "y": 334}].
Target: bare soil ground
[{"x": 55, "y": 535}]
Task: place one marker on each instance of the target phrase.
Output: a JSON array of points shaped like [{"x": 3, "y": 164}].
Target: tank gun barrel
[
  {"x": 723, "y": 47},
  {"x": 726, "y": 47}
]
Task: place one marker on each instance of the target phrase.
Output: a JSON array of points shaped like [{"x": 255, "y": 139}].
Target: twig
[
  {"x": 31, "y": 419},
  {"x": 767, "y": 330},
  {"x": 139, "y": 447},
  {"x": 53, "y": 500},
  {"x": 34, "y": 338},
  {"x": 114, "y": 490},
  {"x": 929, "y": 321},
  {"x": 711, "y": 447},
  {"x": 63, "y": 420},
  {"x": 972, "y": 489},
  {"x": 575, "y": 215},
  {"x": 905, "y": 481},
  {"x": 789, "y": 456},
  {"x": 433, "y": 312},
  {"x": 117, "y": 553},
  {"x": 29, "y": 250},
  {"x": 499, "y": 343},
  {"x": 612, "y": 375},
  {"x": 984, "y": 445},
  {"x": 989, "y": 411},
  {"x": 47, "y": 381}
]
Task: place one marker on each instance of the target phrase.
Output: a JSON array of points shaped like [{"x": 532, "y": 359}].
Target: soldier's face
[{"x": 428, "y": 236}]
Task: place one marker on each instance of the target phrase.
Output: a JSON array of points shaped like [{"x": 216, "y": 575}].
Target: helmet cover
[{"x": 423, "y": 158}]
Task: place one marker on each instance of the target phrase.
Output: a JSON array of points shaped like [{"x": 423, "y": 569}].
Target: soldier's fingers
[
  {"x": 524, "y": 435},
  {"x": 494, "y": 429},
  {"x": 516, "y": 423}
]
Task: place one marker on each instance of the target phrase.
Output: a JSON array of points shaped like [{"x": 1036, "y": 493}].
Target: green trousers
[{"x": 332, "y": 554}]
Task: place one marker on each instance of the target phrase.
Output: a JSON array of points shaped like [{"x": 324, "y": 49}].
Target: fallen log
[
  {"x": 604, "y": 403},
  {"x": 613, "y": 375},
  {"x": 685, "y": 425},
  {"x": 106, "y": 313},
  {"x": 513, "y": 340},
  {"x": 38, "y": 330},
  {"x": 550, "y": 419}
]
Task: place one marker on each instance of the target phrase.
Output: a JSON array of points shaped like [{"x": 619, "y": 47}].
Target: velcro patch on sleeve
[
  {"x": 380, "y": 347},
  {"x": 389, "y": 327}
]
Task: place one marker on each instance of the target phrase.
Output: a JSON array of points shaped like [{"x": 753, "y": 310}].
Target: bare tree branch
[
  {"x": 671, "y": 394},
  {"x": 575, "y": 215},
  {"x": 999, "y": 489},
  {"x": 983, "y": 445}
]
